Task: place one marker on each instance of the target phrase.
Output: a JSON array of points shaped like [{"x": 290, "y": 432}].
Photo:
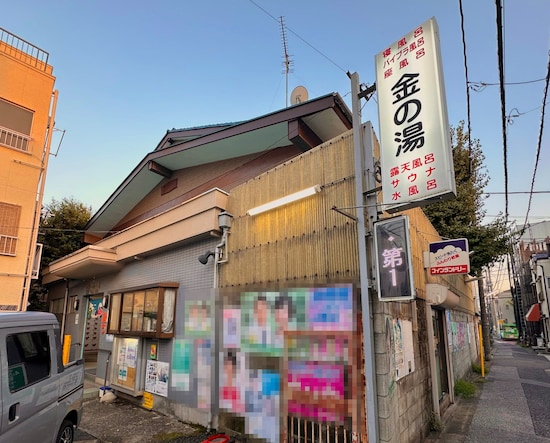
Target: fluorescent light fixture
[{"x": 285, "y": 200}]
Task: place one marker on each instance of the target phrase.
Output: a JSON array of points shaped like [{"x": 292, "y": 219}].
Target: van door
[{"x": 30, "y": 389}]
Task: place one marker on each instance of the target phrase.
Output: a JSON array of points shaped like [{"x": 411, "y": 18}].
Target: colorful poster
[
  {"x": 262, "y": 398},
  {"x": 182, "y": 358},
  {"x": 257, "y": 321},
  {"x": 198, "y": 318},
  {"x": 95, "y": 308},
  {"x": 231, "y": 381},
  {"x": 266, "y": 316},
  {"x": 331, "y": 309},
  {"x": 156, "y": 377},
  {"x": 204, "y": 385},
  {"x": 231, "y": 327}
]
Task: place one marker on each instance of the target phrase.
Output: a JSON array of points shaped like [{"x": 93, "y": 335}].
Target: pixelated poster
[
  {"x": 182, "y": 358},
  {"x": 305, "y": 334}
]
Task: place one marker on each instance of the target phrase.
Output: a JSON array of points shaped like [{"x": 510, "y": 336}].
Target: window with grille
[
  {"x": 9, "y": 225},
  {"x": 15, "y": 126}
]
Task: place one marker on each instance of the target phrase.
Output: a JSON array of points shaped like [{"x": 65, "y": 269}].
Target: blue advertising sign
[
  {"x": 393, "y": 259},
  {"x": 450, "y": 257}
]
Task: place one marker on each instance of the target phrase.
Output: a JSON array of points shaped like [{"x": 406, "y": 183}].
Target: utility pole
[
  {"x": 484, "y": 320},
  {"x": 364, "y": 182}
]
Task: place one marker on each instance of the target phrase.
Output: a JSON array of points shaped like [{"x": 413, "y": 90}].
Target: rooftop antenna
[{"x": 287, "y": 63}]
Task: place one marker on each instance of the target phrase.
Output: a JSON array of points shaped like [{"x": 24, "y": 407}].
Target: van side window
[{"x": 28, "y": 358}]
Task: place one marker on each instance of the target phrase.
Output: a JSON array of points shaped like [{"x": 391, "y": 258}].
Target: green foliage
[
  {"x": 465, "y": 389},
  {"x": 462, "y": 217},
  {"x": 61, "y": 232},
  {"x": 436, "y": 425},
  {"x": 476, "y": 369},
  {"x": 61, "y": 228}
]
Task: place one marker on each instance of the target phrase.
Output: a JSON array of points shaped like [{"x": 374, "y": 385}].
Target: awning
[{"x": 534, "y": 313}]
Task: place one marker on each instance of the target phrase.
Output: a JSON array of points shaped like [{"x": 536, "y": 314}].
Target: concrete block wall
[
  {"x": 462, "y": 342},
  {"x": 404, "y": 405}
]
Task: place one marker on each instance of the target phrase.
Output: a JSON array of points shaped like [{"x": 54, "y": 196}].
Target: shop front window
[{"x": 145, "y": 312}]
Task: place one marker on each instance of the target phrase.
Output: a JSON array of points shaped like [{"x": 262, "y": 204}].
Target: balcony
[
  {"x": 24, "y": 51},
  {"x": 8, "y": 245},
  {"x": 13, "y": 139}
]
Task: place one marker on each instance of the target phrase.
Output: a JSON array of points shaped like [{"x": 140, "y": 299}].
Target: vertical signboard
[
  {"x": 394, "y": 269},
  {"x": 415, "y": 146}
]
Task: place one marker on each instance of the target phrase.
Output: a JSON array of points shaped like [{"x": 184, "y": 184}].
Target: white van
[{"x": 40, "y": 398}]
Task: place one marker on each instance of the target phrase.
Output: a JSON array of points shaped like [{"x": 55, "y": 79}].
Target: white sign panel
[{"x": 415, "y": 145}]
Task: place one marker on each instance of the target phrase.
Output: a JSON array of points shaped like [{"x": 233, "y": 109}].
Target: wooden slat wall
[
  {"x": 303, "y": 241},
  {"x": 306, "y": 241}
]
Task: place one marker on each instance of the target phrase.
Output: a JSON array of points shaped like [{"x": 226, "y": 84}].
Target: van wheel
[{"x": 66, "y": 432}]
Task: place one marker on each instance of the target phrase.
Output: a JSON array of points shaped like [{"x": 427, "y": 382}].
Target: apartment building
[{"x": 27, "y": 109}]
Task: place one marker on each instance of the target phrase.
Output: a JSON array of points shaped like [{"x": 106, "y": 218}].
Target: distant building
[
  {"x": 27, "y": 108},
  {"x": 530, "y": 269}
]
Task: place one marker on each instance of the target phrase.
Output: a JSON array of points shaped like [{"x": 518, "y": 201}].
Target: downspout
[
  {"x": 65, "y": 304},
  {"x": 433, "y": 364},
  {"x": 545, "y": 293},
  {"x": 38, "y": 204},
  {"x": 218, "y": 259}
]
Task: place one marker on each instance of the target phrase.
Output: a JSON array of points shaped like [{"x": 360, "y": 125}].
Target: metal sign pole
[{"x": 362, "y": 158}]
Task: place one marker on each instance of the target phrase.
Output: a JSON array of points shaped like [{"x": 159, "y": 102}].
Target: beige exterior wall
[{"x": 29, "y": 84}]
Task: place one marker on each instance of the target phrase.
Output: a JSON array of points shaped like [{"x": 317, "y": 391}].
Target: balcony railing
[
  {"x": 8, "y": 245},
  {"x": 13, "y": 139},
  {"x": 23, "y": 50}
]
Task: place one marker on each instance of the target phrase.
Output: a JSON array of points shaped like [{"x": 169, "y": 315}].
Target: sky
[{"x": 127, "y": 72}]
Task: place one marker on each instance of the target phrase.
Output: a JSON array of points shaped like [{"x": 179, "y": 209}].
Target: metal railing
[
  {"x": 300, "y": 430},
  {"x": 8, "y": 245},
  {"x": 13, "y": 139},
  {"x": 23, "y": 50}
]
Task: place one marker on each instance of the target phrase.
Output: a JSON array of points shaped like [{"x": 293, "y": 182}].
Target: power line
[
  {"x": 298, "y": 36},
  {"x": 511, "y": 116},
  {"x": 541, "y": 129},
  {"x": 480, "y": 86},
  {"x": 500, "y": 53},
  {"x": 467, "y": 89},
  {"x": 516, "y": 192}
]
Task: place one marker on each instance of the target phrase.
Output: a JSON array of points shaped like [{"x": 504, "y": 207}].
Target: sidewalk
[
  {"x": 125, "y": 422},
  {"x": 512, "y": 404}
]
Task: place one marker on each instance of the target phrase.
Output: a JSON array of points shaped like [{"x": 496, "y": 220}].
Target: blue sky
[{"x": 128, "y": 71}]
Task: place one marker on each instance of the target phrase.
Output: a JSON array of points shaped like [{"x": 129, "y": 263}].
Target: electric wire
[
  {"x": 468, "y": 109},
  {"x": 298, "y": 36},
  {"x": 500, "y": 53},
  {"x": 511, "y": 116},
  {"x": 539, "y": 143},
  {"x": 480, "y": 86}
]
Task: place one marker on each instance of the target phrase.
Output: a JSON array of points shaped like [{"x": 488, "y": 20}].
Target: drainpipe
[
  {"x": 220, "y": 257},
  {"x": 38, "y": 205},
  {"x": 545, "y": 294},
  {"x": 65, "y": 309}
]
